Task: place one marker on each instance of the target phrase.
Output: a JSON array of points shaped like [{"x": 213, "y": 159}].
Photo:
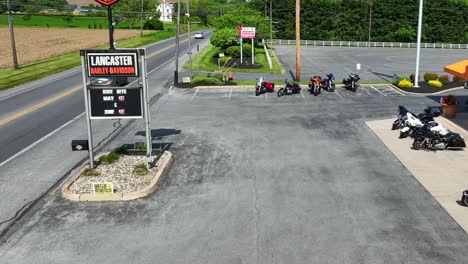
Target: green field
[{"x": 60, "y": 22}]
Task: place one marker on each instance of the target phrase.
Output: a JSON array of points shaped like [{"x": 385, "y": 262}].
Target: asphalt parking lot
[
  {"x": 377, "y": 64},
  {"x": 296, "y": 179}
]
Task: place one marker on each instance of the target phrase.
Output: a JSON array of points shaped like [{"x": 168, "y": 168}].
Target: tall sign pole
[
  {"x": 109, "y": 4},
  {"x": 298, "y": 40},
  {"x": 12, "y": 36},
  {"x": 418, "y": 48}
]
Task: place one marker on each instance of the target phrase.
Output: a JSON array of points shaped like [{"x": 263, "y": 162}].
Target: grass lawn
[
  {"x": 37, "y": 70},
  {"x": 203, "y": 62}
]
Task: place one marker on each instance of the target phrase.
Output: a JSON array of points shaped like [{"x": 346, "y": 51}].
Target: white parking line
[
  {"x": 337, "y": 93},
  {"x": 302, "y": 94},
  {"x": 393, "y": 89},
  {"x": 367, "y": 90},
  {"x": 377, "y": 90},
  {"x": 266, "y": 96},
  {"x": 230, "y": 94},
  {"x": 194, "y": 94},
  {"x": 40, "y": 140}
]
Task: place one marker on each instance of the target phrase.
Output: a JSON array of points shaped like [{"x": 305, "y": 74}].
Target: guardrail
[
  {"x": 267, "y": 54},
  {"x": 369, "y": 44}
]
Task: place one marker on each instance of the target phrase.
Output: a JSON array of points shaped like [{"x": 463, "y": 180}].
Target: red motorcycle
[
  {"x": 262, "y": 87},
  {"x": 315, "y": 85}
]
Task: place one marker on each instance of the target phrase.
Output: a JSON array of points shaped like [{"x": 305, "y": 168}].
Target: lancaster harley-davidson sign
[
  {"x": 107, "y": 2},
  {"x": 112, "y": 63}
]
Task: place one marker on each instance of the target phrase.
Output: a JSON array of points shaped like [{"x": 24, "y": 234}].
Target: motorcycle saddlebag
[
  {"x": 269, "y": 86},
  {"x": 458, "y": 143}
]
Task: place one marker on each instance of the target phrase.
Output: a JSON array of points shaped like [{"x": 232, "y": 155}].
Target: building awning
[{"x": 459, "y": 69}]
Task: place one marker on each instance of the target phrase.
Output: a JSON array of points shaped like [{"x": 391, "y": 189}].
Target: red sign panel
[
  {"x": 246, "y": 32},
  {"x": 107, "y": 2},
  {"x": 112, "y": 63}
]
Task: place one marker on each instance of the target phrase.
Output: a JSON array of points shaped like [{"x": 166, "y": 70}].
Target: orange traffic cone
[{"x": 230, "y": 75}]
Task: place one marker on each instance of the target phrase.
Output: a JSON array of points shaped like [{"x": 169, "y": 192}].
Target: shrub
[
  {"x": 247, "y": 50},
  {"x": 233, "y": 51},
  {"x": 121, "y": 150},
  {"x": 430, "y": 76},
  {"x": 400, "y": 79},
  {"x": 206, "y": 80},
  {"x": 435, "y": 83},
  {"x": 405, "y": 83},
  {"x": 444, "y": 79},
  {"x": 458, "y": 79},
  {"x": 224, "y": 38},
  {"x": 109, "y": 158},
  {"x": 89, "y": 26},
  {"x": 140, "y": 169},
  {"x": 90, "y": 172},
  {"x": 153, "y": 24},
  {"x": 218, "y": 76},
  {"x": 412, "y": 77},
  {"x": 224, "y": 60}
]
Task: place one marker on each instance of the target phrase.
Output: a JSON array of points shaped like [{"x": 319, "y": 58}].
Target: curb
[
  {"x": 155, "y": 184},
  {"x": 426, "y": 94},
  {"x": 250, "y": 86}
]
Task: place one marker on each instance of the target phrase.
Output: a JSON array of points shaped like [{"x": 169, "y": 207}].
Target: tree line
[{"x": 444, "y": 21}]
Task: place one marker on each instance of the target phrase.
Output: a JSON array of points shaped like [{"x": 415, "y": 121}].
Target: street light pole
[
  {"x": 418, "y": 48},
  {"x": 12, "y": 36},
  {"x": 176, "y": 72},
  {"x": 271, "y": 25},
  {"x": 370, "y": 22},
  {"x": 111, "y": 28}
]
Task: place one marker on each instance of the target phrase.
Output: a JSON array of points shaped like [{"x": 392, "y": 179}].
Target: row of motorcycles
[
  {"x": 427, "y": 133},
  {"x": 316, "y": 85}
]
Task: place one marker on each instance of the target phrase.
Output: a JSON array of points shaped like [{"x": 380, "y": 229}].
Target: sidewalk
[{"x": 441, "y": 173}]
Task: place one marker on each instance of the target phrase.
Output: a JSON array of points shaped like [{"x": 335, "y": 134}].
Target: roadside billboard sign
[{"x": 246, "y": 32}]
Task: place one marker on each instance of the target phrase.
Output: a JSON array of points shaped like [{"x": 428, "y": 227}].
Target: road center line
[{"x": 39, "y": 105}]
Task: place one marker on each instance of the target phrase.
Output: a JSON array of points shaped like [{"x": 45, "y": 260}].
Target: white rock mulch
[{"x": 120, "y": 174}]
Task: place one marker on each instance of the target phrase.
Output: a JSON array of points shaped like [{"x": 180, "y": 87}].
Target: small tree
[{"x": 224, "y": 38}]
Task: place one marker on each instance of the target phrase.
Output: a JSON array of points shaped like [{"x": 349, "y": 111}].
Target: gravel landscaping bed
[{"x": 120, "y": 174}]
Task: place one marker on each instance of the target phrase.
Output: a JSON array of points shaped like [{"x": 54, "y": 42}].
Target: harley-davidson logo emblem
[{"x": 107, "y": 2}]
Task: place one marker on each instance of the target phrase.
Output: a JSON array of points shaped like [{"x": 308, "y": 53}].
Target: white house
[{"x": 166, "y": 10}]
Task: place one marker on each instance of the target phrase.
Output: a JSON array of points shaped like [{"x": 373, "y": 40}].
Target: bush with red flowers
[{"x": 449, "y": 100}]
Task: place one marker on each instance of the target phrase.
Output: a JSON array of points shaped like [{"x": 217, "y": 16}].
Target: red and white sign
[
  {"x": 107, "y": 2},
  {"x": 246, "y": 32}
]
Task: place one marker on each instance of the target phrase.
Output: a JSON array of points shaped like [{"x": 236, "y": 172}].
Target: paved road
[
  {"x": 377, "y": 64},
  {"x": 46, "y": 133},
  {"x": 297, "y": 179},
  {"x": 24, "y": 131}
]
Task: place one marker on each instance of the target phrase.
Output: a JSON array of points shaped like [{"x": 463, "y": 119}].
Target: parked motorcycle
[
  {"x": 329, "y": 83},
  {"x": 315, "y": 85},
  {"x": 351, "y": 83},
  {"x": 289, "y": 87},
  {"x": 413, "y": 123},
  {"x": 464, "y": 198},
  {"x": 262, "y": 87},
  {"x": 433, "y": 136},
  {"x": 401, "y": 118}
]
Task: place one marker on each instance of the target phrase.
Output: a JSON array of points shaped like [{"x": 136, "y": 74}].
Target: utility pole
[
  {"x": 271, "y": 25},
  {"x": 141, "y": 19},
  {"x": 176, "y": 72},
  {"x": 418, "y": 49},
  {"x": 189, "y": 38},
  {"x": 370, "y": 22},
  {"x": 111, "y": 28},
  {"x": 298, "y": 40},
  {"x": 12, "y": 36}
]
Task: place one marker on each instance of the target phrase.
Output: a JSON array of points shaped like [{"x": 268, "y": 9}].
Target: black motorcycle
[
  {"x": 351, "y": 82},
  {"x": 401, "y": 118},
  {"x": 329, "y": 83},
  {"x": 427, "y": 116},
  {"x": 425, "y": 138},
  {"x": 464, "y": 198},
  {"x": 289, "y": 88}
]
